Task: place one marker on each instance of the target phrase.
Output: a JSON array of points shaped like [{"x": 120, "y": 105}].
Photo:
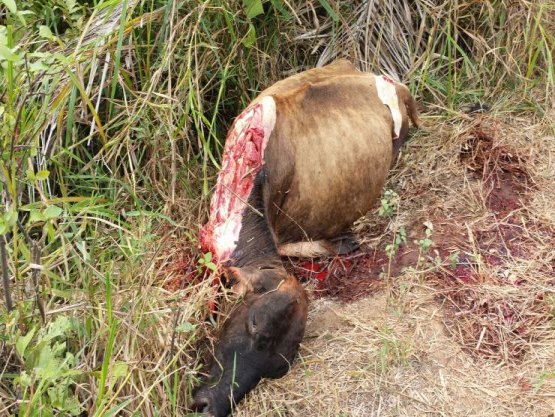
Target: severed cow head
[{"x": 259, "y": 340}]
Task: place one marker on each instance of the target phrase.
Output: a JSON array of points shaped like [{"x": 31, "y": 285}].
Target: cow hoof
[{"x": 345, "y": 244}]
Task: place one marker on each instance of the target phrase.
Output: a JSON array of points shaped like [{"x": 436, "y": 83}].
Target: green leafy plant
[
  {"x": 8, "y": 220},
  {"x": 49, "y": 375},
  {"x": 388, "y": 203},
  {"x": 399, "y": 239},
  {"x": 112, "y": 122},
  {"x": 206, "y": 261},
  {"x": 393, "y": 350},
  {"x": 453, "y": 259},
  {"x": 425, "y": 244}
]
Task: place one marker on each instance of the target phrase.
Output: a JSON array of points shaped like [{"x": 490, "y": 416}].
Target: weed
[
  {"x": 206, "y": 262},
  {"x": 389, "y": 203},
  {"x": 392, "y": 349},
  {"x": 49, "y": 377},
  {"x": 453, "y": 259},
  {"x": 112, "y": 119},
  {"x": 399, "y": 238},
  {"x": 425, "y": 244}
]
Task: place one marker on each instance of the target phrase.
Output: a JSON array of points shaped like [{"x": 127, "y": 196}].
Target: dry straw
[{"x": 131, "y": 129}]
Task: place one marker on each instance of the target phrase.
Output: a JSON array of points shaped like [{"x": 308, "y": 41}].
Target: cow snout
[{"x": 200, "y": 405}]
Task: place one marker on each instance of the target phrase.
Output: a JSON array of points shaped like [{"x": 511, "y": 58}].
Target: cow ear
[{"x": 238, "y": 280}]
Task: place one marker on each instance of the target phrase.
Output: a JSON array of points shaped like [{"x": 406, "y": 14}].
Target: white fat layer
[
  {"x": 268, "y": 119},
  {"x": 226, "y": 234},
  {"x": 388, "y": 96}
]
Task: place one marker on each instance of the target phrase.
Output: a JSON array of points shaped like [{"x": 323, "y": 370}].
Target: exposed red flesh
[{"x": 242, "y": 160}]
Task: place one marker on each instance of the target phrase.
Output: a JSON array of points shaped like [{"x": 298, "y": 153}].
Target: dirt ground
[
  {"x": 369, "y": 358},
  {"x": 461, "y": 324}
]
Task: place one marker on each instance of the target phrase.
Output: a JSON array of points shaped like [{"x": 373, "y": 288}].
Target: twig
[
  {"x": 5, "y": 278},
  {"x": 36, "y": 267},
  {"x": 244, "y": 201},
  {"x": 174, "y": 330}
]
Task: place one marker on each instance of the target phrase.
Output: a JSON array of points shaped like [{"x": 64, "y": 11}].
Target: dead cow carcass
[{"x": 308, "y": 157}]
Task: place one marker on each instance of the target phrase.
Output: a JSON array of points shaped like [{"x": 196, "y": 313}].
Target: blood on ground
[{"x": 344, "y": 277}]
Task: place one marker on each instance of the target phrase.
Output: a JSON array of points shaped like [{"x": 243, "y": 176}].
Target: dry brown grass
[
  {"x": 158, "y": 159},
  {"x": 474, "y": 340},
  {"x": 379, "y": 357}
]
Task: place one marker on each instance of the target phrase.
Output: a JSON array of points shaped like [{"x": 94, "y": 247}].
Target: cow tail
[{"x": 412, "y": 111}]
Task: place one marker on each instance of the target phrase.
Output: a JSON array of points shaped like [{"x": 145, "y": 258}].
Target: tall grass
[{"x": 113, "y": 115}]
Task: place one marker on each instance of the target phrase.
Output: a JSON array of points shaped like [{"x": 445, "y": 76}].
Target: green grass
[{"x": 113, "y": 116}]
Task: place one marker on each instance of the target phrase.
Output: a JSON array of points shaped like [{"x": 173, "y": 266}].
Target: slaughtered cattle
[{"x": 307, "y": 158}]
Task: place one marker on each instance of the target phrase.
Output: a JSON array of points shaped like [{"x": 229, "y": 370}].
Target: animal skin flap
[{"x": 388, "y": 96}]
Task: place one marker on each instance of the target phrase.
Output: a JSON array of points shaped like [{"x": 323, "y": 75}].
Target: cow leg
[
  {"x": 320, "y": 248},
  {"x": 310, "y": 249}
]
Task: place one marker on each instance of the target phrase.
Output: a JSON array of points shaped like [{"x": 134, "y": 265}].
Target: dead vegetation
[
  {"x": 428, "y": 336},
  {"x": 108, "y": 156}
]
